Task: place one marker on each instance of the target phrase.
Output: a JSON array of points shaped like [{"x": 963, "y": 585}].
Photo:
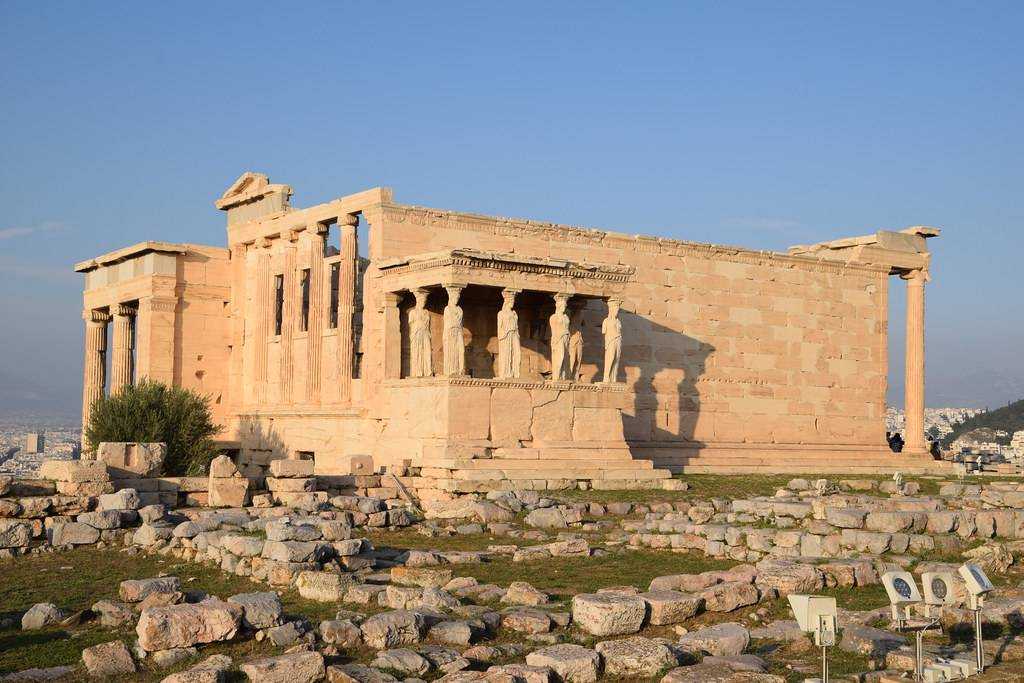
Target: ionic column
[
  {"x": 346, "y": 302},
  {"x": 121, "y": 363},
  {"x": 317, "y": 311},
  {"x": 263, "y": 320},
  {"x": 94, "y": 367},
  {"x": 392, "y": 336},
  {"x": 914, "y": 379}
]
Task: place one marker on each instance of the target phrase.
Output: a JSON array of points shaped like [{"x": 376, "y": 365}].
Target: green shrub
[{"x": 150, "y": 411}]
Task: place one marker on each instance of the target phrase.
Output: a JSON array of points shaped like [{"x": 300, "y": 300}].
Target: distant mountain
[
  {"x": 20, "y": 397},
  {"x": 1009, "y": 418}
]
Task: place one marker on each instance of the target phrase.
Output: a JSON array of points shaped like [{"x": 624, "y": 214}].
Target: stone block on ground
[
  {"x": 720, "y": 640},
  {"x": 608, "y": 614},
  {"x": 164, "y": 628},
  {"x": 571, "y": 663},
  {"x": 108, "y": 660},
  {"x": 635, "y": 657},
  {"x": 259, "y": 610},
  {"x": 392, "y": 629},
  {"x": 297, "y": 667}
]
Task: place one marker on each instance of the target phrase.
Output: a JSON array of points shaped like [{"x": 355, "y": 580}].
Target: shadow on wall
[
  {"x": 260, "y": 443},
  {"x": 663, "y": 415}
]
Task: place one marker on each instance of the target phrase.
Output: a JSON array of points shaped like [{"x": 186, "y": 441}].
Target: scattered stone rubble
[{"x": 422, "y": 621}]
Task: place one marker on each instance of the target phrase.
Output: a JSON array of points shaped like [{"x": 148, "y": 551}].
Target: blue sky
[{"x": 750, "y": 123}]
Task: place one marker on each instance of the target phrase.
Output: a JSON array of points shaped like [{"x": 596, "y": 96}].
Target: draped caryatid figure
[
  {"x": 559, "y": 322},
  {"x": 611, "y": 327},
  {"x": 575, "y": 340},
  {"x": 420, "y": 363},
  {"x": 509, "y": 351},
  {"x": 454, "y": 344}
]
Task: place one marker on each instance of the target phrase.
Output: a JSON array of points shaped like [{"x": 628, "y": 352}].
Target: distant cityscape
[{"x": 26, "y": 441}]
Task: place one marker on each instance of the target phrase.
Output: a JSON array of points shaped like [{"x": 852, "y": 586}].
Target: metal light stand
[
  {"x": 918, "y": 627},
  {"x": 825, "y": 637},
  {"x": 979, "y": 645},
  {"x": 824, "y": 664}
]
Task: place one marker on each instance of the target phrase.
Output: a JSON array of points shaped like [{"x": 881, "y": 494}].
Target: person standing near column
[
  {"x": 559, "y": 322},
  {"x": 509, "y": 351},
  {"x": 611, "y": 327},
  {"x": 420, "y": 362}
]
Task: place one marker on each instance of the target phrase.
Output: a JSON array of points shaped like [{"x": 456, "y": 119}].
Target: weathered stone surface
[
  {"x": 298, "y": 667},
  {"x": 259, "y": 610},
  {"x": 341, "y": 632},
  {"x": 284, "y": 469},
  {"x": 546, "y": 518},
  {"x": 108, "y": 519},
  {"x": 74, "y": 533},
  {"x": 866, "y": 640},
  {"x": 228, "y": 492},
  {"x": 420, "y": 576},
  {"x": 163, "y": 659},
  {"x": 357, "y": 673},
  {"x": 74, "y": 470},
  {"x": 125, "y": 499},
  {"x": 137, "y": 590},
  {"x": 461, "y": 633},
  {"x": 243, "y": 546},
  {"x": 108, "y": 659},
  {"x": 789, "y": 577},
  {"x": 525, "y": 620},
  {"x": 113, "y": 614},
  {"x": 522, "y": 593},
  {"x": 726, "y": 597},
  {"x": 571, "y": 663},
  {"x": 635, "y": 657},
  {"x": 671, "y": 607},
  {"x": 391, "y": 629},
  {"x": 721, "y": 640},
  {"x": 717, "y": 672},
  {"x": 164, "y": 628},
  {"x": 608, "y": 614},
  {"x": 41, "y": 615},
  {"x": 14, "y": 533},
  {"x": 401, "y": 660},
  {"x": 322, "y": 586}
]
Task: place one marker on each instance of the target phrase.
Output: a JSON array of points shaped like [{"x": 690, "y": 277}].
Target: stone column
[
  {"x": 453, "y": 344},
  {"x": 914, "y": 378},
  {"x": 392, "y": 336},
  {"x": 94, "y": 368},
  {"x": 121, "y": 362},
  {"x": 346, "y": 303},
  {"x": 317, "y": 310},
  {"x": 264, "y": 320}
]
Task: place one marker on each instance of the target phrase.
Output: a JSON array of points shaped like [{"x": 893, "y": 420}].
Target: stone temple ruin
[{"x": 475, "y": 353}]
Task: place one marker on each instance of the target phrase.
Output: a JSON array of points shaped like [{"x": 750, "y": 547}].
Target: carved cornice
[
  {"x": 506, "y": 383},
  {"x": 522, "y": 228},
  {"x": 159, "y": 304},
  {"x": 463, "y": 260}
]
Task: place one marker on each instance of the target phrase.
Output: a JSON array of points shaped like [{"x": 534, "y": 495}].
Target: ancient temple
[{"x": 482, "y": 352}]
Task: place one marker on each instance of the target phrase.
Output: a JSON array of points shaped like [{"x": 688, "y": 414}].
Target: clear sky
[{"x": 762, "y": 124}]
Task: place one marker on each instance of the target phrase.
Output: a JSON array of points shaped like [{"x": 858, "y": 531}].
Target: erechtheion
[{"x": 486, "y": 352}]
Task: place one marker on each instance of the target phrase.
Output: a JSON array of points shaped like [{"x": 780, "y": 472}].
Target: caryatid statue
[
  {"x": 454, "y": 344},
  {"x": 576, "y": 340},
  {"x": 559, "y": 322},
  {"x": 509, "y": 351},
  {"x": 611, "y": 327},
  {"x": 420, "y": 363}
]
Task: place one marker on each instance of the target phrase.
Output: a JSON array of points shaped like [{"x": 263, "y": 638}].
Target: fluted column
[
  {"x": 263, "y": 320},
  {"x": 317, "y": 312},
  {"x": 121, "y": 362},
  {"x": 392, "y": 336},
  {"x": 94, "y": 367},
  {"x": 914, "y": 379},
  {"x": 346, "y": 303}
]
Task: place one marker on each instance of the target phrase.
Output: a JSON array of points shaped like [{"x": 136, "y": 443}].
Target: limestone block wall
[{"x": 721, "y": 345}]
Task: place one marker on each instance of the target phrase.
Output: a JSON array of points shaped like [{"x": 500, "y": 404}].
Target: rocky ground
[{"x": 514, "y": 586}]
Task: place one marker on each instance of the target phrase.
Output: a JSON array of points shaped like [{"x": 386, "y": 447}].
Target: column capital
[
  {"x": 453, "y": 287},
  {"x": 918, "y": 276},
  {"x": 123, "y": 310},
  {"x": 96, "y": 316},
  {"x": 348, "y": 219}
]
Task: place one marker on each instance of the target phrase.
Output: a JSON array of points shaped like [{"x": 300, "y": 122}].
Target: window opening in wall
[
  {"x": 332, "y": 314},
  {"x": 304, "y": 296},
  {"x": 278, "y": 303}
]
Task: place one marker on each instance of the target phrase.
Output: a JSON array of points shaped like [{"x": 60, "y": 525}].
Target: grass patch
[{"x": 567, "y": 576}]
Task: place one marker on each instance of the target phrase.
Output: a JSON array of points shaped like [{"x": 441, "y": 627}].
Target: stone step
[
  {"x": 562, "y": 473},
  {"x": 554, "y": 464}
]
